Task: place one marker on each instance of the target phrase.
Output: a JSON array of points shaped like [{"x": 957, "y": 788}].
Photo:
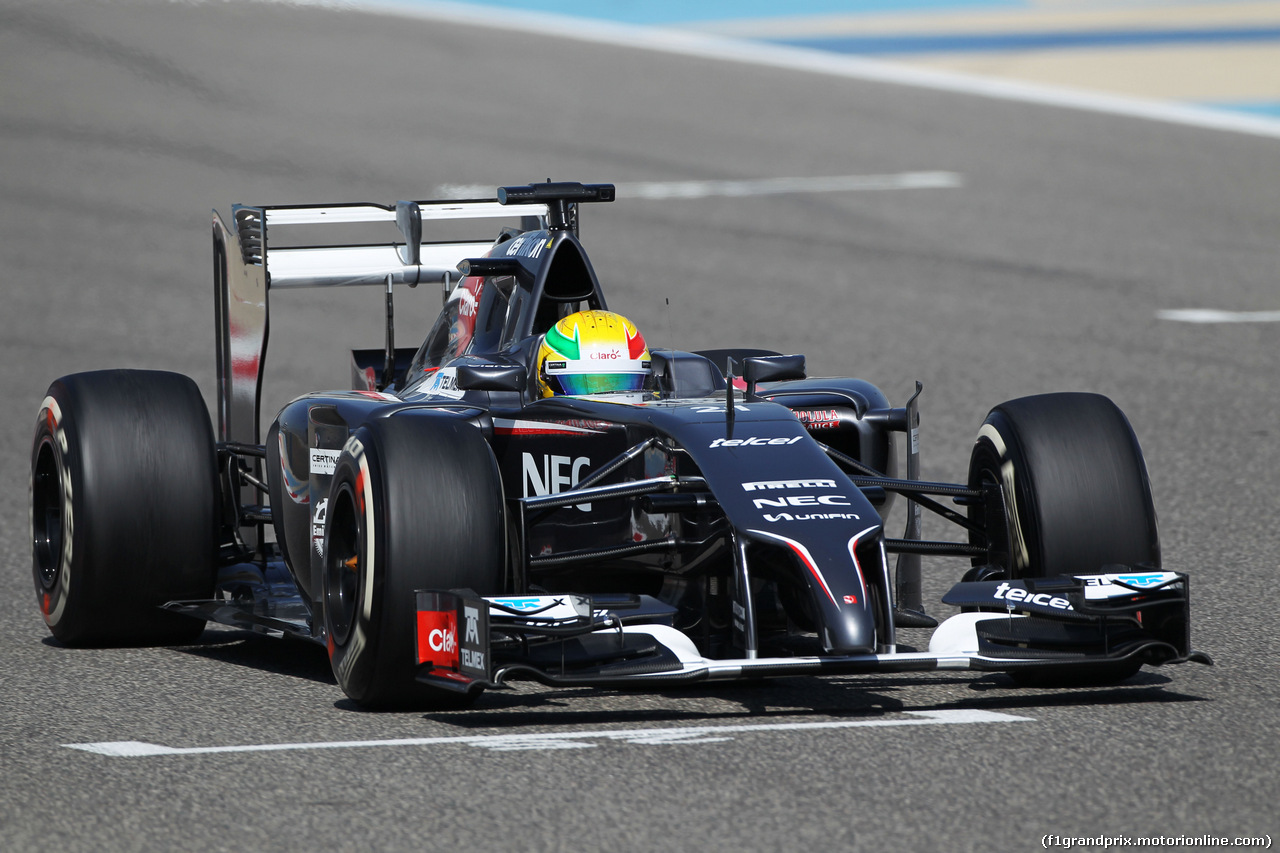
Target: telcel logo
[
  {"x": 753, "y": 442},
  {"x": 1008, "y": 593}
]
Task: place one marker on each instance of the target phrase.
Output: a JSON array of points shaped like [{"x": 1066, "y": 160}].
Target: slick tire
[
  {"x": 1076, "y": 499},
  {"x": 123, "y": 493},
  {"x": 416, "y": 503},
  {"x": 1076, "y": 493}
]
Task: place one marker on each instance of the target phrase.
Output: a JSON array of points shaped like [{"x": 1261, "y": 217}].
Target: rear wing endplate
[{"x": 246, "y": 269}]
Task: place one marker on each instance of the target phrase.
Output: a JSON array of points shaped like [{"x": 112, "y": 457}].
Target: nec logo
[
  {"x": 553, "y": 475},
  {"x": 802, "y": 500}
]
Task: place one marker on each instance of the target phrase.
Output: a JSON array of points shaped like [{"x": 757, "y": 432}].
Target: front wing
[{"x": 1070, "y": 625}]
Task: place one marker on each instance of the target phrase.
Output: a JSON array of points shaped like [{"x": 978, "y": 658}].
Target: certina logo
[
  {"x": 554, "y": 475},
  {"x": 766, "y": 485},
  {"x": 753, "y": 442},
  {"x": 324, "y": 461},
  {"x": 802, "y": 500},
  {"x": 1014, "y": 594}
]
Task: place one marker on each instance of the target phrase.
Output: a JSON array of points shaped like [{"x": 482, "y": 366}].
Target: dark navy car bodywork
[{"x": 735, "y": 503}]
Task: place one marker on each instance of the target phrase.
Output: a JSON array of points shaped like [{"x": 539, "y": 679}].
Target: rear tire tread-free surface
[{"x": 123, "y": 497}]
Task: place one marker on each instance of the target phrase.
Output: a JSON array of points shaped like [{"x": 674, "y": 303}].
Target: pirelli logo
[{"x": 769, "y": 485}]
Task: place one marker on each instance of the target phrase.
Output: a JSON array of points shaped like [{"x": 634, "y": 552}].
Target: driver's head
[{"x": 592, "y": 352}]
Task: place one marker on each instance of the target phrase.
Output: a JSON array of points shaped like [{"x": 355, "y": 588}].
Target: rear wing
[{"x": 247, "y": 268}]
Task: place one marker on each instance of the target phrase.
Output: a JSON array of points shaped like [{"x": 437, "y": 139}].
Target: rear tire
[
  {"x": 122, "y": 493},
  {"x": 1076, "y": 493},
  {"x": 416, "y": 503}
]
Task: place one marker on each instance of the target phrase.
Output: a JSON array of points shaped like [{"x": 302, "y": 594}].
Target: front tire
[
  {"x": 123, "y": 492},
  {"x": 1075, "y": 487},
  {"x": 1076, "y": 499},
  {"x": 416, "y": 503}
]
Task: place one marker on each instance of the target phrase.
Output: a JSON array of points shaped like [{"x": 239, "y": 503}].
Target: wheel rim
[
  {"x": 46, "y": 515},
  {"x": 344, "y": 566}
]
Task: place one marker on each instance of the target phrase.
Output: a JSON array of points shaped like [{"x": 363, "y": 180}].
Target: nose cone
[{"x": 850, "y": 629}]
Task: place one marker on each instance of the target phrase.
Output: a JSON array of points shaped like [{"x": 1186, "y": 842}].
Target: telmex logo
[
  {"x": 753, "y": 442},
  {"x": 764, "y": 485},
  {"x": 802, "y": 500},
  {"x": 1143, "y": 581},
  {"x": 520, "y": 603}
]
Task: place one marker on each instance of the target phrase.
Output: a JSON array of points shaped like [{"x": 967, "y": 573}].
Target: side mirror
[
  {"x": 492, "y": 377},
  {"x": 771, "y": 368}
]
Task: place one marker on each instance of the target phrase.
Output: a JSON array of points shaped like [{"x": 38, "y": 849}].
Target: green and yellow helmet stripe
[{"x": 556, "y": 340}]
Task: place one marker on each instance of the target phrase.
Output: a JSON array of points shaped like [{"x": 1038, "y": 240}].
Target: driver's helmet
[{"x": 592, "y": 352}]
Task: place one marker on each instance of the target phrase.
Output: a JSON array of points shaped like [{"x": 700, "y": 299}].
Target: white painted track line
[
  {"x": 566, "y": 739},
  {"x": 708, "y": 46},
  {"x": 660, "y": 190},
  {"x": 1210, "y": 315}
]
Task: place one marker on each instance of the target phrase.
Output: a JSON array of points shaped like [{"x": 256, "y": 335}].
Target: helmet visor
[{"x": 585, "y": 384}]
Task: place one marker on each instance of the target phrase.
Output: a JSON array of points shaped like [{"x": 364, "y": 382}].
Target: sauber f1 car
[{"x": 449, "y": 524}]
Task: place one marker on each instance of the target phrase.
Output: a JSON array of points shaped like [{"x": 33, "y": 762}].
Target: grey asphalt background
[{"x": 122, "y": 124}]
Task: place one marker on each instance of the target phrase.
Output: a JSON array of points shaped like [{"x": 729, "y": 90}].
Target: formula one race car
[{"x": 534, "y": 493}]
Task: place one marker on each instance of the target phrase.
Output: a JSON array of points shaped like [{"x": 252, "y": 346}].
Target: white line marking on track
[
  {"x": 753, "y": 187},
  {"x": 566, "y": 740},
  {"x": 706, "y": 46},
  {"x": 1210, "y": 315}
]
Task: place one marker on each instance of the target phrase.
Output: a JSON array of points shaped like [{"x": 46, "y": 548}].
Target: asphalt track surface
[{"x": 121, "y": 125}]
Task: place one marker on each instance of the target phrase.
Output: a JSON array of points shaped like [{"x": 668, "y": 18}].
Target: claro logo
[
  {"x": 553, "y": 474},
  {"x": 442, "y": 640}
]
